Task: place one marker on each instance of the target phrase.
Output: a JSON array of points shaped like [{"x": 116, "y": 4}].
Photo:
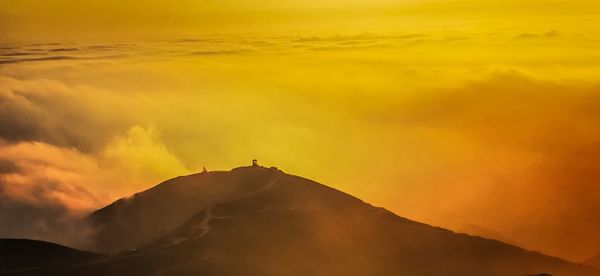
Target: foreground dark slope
[
  {"x": 259, "y": 221},
  {"x": 20, "y": 254}
]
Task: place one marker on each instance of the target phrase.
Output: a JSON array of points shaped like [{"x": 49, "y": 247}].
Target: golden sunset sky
[{"x": 478, "y": 116}]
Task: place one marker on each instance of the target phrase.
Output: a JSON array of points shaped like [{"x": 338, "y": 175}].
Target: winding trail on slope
[{"x": 209, "y": 215}]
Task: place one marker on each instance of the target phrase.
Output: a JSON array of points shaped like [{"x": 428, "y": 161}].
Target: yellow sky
[
  {"x": 112, "y": 19},
  {"x": 457, "y": 113}
]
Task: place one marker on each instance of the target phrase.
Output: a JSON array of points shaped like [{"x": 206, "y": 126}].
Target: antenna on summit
[{"x": 254, "y": 162}]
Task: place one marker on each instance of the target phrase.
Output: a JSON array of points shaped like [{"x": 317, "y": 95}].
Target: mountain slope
[
  {"x": 594, "y": 261},
  {"x": 260, "y": 221},
  {"x": 19, "y": 254}
]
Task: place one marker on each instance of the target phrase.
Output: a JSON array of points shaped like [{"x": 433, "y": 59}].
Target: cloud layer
[{"x": 487, "y": 129}]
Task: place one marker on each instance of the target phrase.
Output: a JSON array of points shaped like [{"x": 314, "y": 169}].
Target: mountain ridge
[{"x": 261, "y": 221}]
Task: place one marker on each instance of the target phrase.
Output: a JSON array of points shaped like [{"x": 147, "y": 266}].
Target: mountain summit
[{"x": 260, "y": 221}]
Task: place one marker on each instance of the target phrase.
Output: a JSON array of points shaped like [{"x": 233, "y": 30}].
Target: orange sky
[{"x": 463, "y": 114}]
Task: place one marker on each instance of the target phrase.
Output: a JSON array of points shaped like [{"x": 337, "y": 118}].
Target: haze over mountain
[
  {"x": 424, "y": 107},
  {"x": 594, "y": 261},
  {"x": 261, "y": 221}
]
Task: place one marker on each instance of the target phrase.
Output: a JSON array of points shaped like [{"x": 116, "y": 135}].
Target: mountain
[
  {"x": 261, "y": 221},
  {"x": 594, "y": 261},
  {"x": 476, "y": 230},
  {"x": 22, "y": 255}
]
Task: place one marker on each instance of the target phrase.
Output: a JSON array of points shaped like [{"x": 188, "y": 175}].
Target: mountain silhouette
[
  {"x": 25, "y": 255},
  {"x": 261, "y": 221}
]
